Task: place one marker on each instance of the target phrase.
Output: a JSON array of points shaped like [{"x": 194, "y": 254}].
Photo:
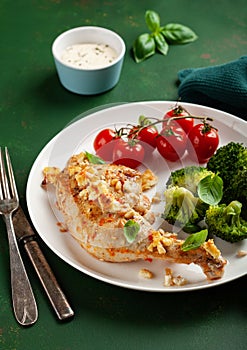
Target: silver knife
[{"x": 26, "y": 235}]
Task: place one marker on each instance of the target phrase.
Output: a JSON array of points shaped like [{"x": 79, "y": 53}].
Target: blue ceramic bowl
[{"x": 88, "y": 81}]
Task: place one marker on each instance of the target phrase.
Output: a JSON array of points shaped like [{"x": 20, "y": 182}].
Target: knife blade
[{"x": 26, "y": 236}]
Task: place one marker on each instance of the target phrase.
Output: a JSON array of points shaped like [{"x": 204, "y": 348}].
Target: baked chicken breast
[{"x": 98, "y": 200}]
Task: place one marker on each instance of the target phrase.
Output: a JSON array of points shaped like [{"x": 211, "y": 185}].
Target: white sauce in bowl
[{"x": 89, "y": 56}]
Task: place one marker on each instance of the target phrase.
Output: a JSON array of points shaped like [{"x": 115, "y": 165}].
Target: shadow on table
[{"x": 52, "y": 91}]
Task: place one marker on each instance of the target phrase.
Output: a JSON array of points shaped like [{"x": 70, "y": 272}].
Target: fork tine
[
  {"x": 4, "y": 183},
  {"x": 11, "y": 175},
  {"x": 1, "y": 160}
]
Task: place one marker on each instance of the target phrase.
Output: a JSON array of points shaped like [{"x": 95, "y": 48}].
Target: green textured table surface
[{"x": 34, "y": 107}]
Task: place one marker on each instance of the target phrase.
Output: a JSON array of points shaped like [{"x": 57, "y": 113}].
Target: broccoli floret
[
  {"x": 188, "y": 177},
  {"x": 230, "y": 163},
  {"x": 183, "y": 209},
  {"x": 225, "y": 221},
  {"x": 239, "y": 189}
]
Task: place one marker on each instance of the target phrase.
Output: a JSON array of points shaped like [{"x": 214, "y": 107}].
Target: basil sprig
[
  {"x": 131, "y": 229},
  {"x": 93, "y": 159},
  {"x": 176, "y": 33},
  {"x": 160, "y": 37},
  {"x": 194, "y": 241},
  {"x": 210, "y": 189}
]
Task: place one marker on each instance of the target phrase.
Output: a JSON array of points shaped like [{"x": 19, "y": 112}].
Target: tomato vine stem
[{"x": 146, "y": 122}]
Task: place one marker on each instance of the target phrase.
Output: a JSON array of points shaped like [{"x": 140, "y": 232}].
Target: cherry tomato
[
  {"x": 129, "y": 153},
  {"x": 186, "y": 123},
  {"x": 171, "y": 143},
  {"x": 103, "y": 137},
  {"x": 104, "y": 143},
  {"x": 146, "y": 137},
  {"x": 203, "y": 140},
  {"x": 145, "y": 134}
]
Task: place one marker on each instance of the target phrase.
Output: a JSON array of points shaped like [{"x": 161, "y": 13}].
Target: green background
[{"x": 34, "y": 107}]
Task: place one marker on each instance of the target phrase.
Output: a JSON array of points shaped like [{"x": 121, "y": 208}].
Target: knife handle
[{"x": 48, "y": 280}]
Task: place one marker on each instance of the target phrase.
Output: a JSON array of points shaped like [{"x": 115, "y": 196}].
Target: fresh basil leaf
[
  {"x": 144, "y": 47},
  {"x": 152, "y": 20},
  {"x": 94, "y": 159},
  {"x": 195, "y": 240},
  {"x": 210, "y": 189},
  {"x": 161, "y": 44},
  {"x": 176, "y": 33},
  {"x": 131, "y": 229}
]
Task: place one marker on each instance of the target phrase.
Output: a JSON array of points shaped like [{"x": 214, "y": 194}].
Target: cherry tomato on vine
[
  {"x": 146, "y": 135},
  {"x": 103, "y": 137},
  {"x": 171, "y": 143},
  {"x": 186, "y": 123},
  {"x": 203, "y": 140},
  {"x": 104, "y": 143},
  {"x": 129, "y": 153}
]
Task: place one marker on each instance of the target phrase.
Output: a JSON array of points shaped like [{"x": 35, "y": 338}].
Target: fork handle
[
  {"x": 24, "y": 304},
  {"x": 48, "y": 280}
]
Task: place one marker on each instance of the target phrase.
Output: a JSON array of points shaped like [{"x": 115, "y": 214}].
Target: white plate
[{"x": 78, "y": 136}]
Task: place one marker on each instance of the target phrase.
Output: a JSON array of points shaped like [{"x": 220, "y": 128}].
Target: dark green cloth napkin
[{"x": 223, "y": 86}]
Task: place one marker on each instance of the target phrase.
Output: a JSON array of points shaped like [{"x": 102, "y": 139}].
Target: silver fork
[{"x": 24, "y": 305}]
